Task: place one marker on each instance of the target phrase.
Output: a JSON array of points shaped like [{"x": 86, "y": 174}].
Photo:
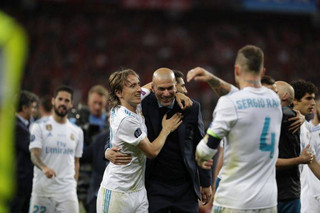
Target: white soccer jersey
[
  {"x": 250, "y": 119},
  {"x": 59, "y": 144},
  {"x": 127, "y": 129},
  {"x": 310, "y": 184}
]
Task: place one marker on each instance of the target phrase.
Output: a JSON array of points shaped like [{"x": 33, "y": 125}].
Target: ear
[
  {"x": 285, "y": 97},
  {"x": 263, "y": 72},
  {"x": 24, "y": 108},
  {"x": 236, "y": 70},
  {"x": 52, "y": 101},
  {"x": 118, "y": 93},
  {"x": 152, "y": 87}
]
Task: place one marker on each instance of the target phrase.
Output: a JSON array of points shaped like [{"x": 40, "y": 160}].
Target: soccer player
[
  {"x": 250, "y": 119},
  {"x": 56, "y": 146},
  {"x": 123, "y": 188}
]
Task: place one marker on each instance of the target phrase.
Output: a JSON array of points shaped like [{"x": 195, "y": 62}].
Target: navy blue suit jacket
[
  {"x": 94, "y": 154},
  {"x": 24, "y": 165},
  {"x": 190, "y": 132}
]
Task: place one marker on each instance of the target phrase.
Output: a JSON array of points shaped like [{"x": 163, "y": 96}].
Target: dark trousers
[
  {"x": 21, "y": 202},
  {"x": 172, "y": 197},
  {"x": 289, "y": 206},
  {"x": 92, "y": 205}
]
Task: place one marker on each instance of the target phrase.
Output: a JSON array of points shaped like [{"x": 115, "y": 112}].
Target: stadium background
[{"x": 80, "y": 42}]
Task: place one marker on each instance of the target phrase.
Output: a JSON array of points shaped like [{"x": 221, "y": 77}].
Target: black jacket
[{"x": 190, "y": 132}]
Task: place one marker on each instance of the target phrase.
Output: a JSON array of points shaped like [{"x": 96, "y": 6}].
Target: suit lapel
[{"x": 153, "y": 113}]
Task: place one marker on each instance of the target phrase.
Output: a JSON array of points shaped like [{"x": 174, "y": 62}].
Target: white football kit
[
  {"x": 250, "y": 119},
  {"x": 60, "y": 144},
  {"x": 310, "y": 184},
  {"x": 122, "y": 188}
]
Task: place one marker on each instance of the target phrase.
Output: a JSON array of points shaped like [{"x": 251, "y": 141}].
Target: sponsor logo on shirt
[{"x": 137, "y": 133}]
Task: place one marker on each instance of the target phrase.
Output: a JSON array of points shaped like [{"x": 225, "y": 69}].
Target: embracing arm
[
  {"x": 151, "y": 150},
  {"x": 305, "y": 158},
  {"x": 36, "y": 160}
]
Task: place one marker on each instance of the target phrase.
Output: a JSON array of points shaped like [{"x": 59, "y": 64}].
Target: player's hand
[
  {"x": 306, "y": 155},
  {"x": 49, "y": 173},
  {"x": 296, "y": 122},
  {"x": 206, "y": 194},
  {"x": 199, "y": 74},
  {"x": 115, "y": 156},
  {"x": 203, "y": 163},
  {"x": 172, "y": 123},
  {"x": 183, "y": 100}
]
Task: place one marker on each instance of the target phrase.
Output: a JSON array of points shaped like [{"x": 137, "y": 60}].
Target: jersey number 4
[{"x": 264, "y": 146}]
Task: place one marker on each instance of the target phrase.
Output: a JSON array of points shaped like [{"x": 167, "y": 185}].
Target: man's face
[
  {"x": 62, "y": 103},
  {"x": 35, "y": 110},
  {"x": 306, "y": 104},
  {"x": 164, "y": 90},
  {"x": 181, "y": 86},
  {"x": 131, "y": 91},
  {"x": 28, "y": 111},
  {"x": 97, "y": 103}
]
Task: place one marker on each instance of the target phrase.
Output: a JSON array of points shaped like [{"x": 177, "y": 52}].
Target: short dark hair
[
  {"x": 302, "y": 87},
  {"x": 64, "y": 88},
  {"x": 254, "y": 58},
  {"x": 178, "y": 74},
  {"x": 46, "y": 103},
  {"x": 268, "y": 80},
  {"x": 26, "y": 98}
]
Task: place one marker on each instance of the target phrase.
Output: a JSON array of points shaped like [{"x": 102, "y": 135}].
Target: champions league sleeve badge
[
  {"x": 49, "y": 127},
  {"x": 32, "y": 138},
  {"x": 137, "y": 133}
]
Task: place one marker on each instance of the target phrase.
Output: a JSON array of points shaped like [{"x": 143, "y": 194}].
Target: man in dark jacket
[{"x": 24, "y": 168}]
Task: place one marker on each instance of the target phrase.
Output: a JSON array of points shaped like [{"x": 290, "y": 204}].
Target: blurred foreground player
[{"x": 13, "y": 49}]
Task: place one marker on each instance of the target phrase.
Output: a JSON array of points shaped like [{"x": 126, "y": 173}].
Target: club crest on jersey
[
  {"x": 72, "y": 136},
  {"x": 137, "y": 133},
  {"x": 49, "y": 127}
]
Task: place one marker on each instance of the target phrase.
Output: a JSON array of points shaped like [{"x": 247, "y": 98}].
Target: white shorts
[
  {"x": 218, "y": 209},
  {"x": 61, "y": 204},
  {"x": 122, "y": 202}
]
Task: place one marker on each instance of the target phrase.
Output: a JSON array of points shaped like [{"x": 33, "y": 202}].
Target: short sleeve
[
  {"x": 35, "y": 136},
  {"x": 130, "y": 131},
  {"x": 224, "y": 118},
  {"x": 144, "y": 93},
  {"x": 79, "y": 147}
]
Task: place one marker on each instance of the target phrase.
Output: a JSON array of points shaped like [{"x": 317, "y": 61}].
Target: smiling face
[
  {"x": 165, "y": 90},
  {"x": 62, "y": 103},
  {"x": 306, "y": 104},
  {"x": 130, "y": 96}
]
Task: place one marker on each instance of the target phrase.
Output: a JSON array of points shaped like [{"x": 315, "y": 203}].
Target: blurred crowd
[{"x": 81, "y": 49}]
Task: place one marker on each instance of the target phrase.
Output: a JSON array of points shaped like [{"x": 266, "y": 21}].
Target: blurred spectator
[
  {"x": 92, "y": 119},
  {"x": 45, "y": 107},
  {"x": 24, "y": 167}
]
